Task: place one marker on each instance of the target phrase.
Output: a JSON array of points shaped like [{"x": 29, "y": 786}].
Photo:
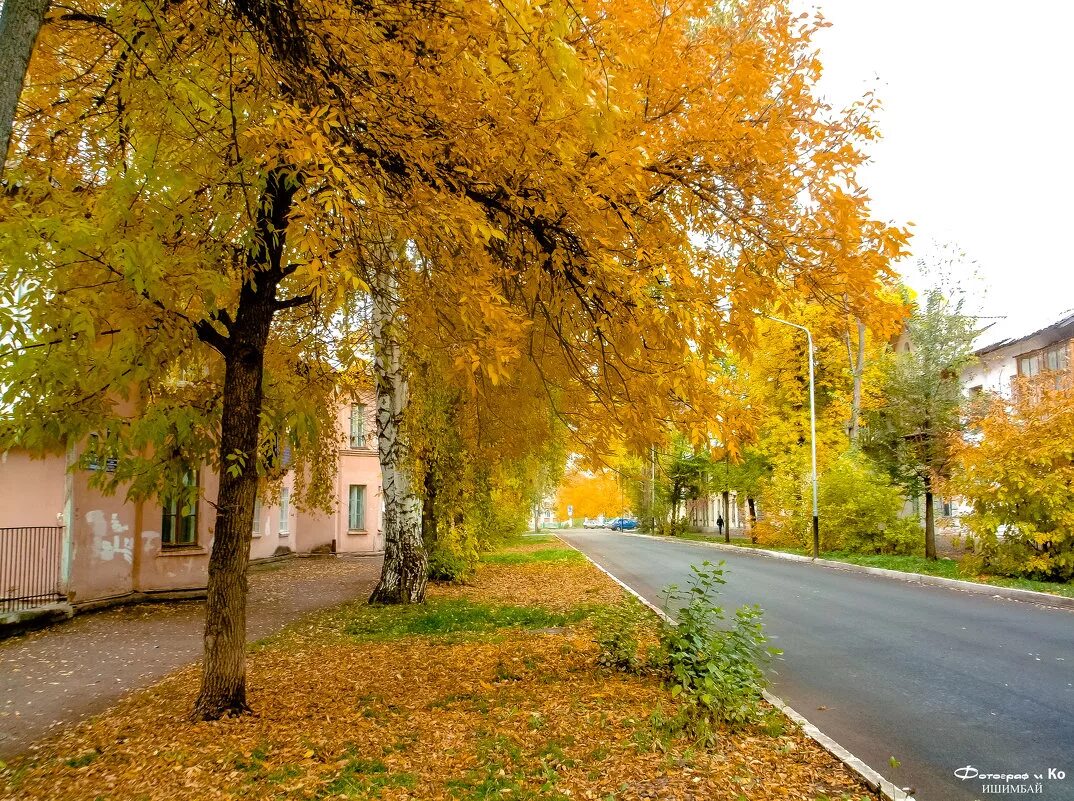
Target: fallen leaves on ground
[{"x": 508, "y": 715}]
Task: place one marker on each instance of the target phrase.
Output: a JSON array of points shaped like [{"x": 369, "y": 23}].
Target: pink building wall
[
  {"x": 358, "y": 466},
  {"x": 32, "y": 491},
  {"x": 114, "y": 546}
]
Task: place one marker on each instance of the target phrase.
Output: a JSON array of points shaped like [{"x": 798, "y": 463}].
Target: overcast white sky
[{"x": 978, "y": 145}]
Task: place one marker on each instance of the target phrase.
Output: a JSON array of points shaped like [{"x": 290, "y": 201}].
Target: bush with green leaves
[
  {"x": 715, "y": 670},
  {"x": 859, "y": 509},
  {"x": 714, "y": 667}
]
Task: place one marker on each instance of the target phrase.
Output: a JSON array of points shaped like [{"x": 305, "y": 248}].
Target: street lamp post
[{"x": 812, "y": 431}]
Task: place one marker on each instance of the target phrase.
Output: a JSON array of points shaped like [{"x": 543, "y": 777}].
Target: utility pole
[
  {"x": 652, "y": 490},
  {"x": 812, "y": 430}
]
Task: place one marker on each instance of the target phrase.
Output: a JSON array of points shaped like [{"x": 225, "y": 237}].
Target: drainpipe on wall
[{"x": 67, "y": 553}]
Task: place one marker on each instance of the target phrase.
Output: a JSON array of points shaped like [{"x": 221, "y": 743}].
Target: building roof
[{"x": 996, "y": 338}]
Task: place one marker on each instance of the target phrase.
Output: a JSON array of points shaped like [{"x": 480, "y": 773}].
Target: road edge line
[
  {"x": 973, "y": 587},
  {"x": 869, "y": 775}
]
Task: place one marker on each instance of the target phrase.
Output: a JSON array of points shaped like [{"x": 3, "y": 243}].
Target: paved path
[
  {"x": 937, "y": 678},
  {"x": 64, "y": 673}
]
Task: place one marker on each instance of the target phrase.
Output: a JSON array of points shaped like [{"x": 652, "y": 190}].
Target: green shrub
[
  {"x": 859, "y": 509},
  {"x": 448, "y": 564},
  {"x": 715, "y": 672}
]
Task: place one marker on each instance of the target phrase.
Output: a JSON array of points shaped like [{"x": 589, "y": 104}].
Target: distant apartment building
[
  {"x": 702, "y": 513},
  {"x": 65, "y": 543},
  {"x": 1042, "y": 356}
]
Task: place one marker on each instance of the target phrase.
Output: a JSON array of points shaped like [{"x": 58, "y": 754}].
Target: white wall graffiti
[{"x": 109, "y": 537}]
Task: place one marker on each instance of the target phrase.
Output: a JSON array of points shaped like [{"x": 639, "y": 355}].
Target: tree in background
[
  {"x": 775, "y": 378},
  {"x": 686, "y": 475},
  {"x": 1017, "y": 470},
  {"x": 480, "y": 461},
  {"x": 912, "y": 433},
  {"x": 590, "y": 493}
]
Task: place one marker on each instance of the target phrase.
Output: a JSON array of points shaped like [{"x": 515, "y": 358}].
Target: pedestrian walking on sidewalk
[{"x": 719, "y": 523}]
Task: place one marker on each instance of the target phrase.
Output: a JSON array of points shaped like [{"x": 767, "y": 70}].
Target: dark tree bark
[
  {"x": 223, "y": 680},
  {"x": 20, "y": 20},
  {"x": 405, "y": 572},
  {"x": 726, "y": 516},
  {"x": 429, "y": 527},
  {"x": 930, "y": 522}
]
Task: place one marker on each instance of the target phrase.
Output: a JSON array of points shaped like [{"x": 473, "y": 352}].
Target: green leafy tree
[{"x": 912, "y": 433}]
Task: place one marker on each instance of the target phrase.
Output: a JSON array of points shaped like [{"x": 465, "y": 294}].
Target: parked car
[
  {"x": 622, "y": 524},
  {"x": 592, "y": 523}
]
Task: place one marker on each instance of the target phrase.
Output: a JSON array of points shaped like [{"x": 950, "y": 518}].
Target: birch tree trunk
[
  {"x": 405, "y": 572},
  {"x": 20, "y": 20}
]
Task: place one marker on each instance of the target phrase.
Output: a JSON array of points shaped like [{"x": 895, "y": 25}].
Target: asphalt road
[{"x": 938, "y": 679}]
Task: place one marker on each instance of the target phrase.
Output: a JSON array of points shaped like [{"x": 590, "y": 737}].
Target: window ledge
[
  {"x": 182, "y": 550},
  {"x": 357, "y": 531}
]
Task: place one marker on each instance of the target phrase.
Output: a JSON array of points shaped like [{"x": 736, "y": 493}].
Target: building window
[
  {"x": 1054, "y": 358},
  {"x": 257, "y": 518},
  {"x": 356, "y": 508},
  {"x": 179, "y": 518},
  {"x": 285, "y": 511},
  {"x": 357, "y": 426}
]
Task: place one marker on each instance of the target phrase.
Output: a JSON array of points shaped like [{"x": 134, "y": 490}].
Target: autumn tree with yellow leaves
[
  {"x": 1015, "y": 467},
  {"x": 589, "y": 494},
  {"x": 604, "y": 192}
]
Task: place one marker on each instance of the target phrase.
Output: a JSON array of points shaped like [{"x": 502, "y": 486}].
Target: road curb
[
  {"x": 1006, "y": 593},
  {"x": 871, "y": 777}
]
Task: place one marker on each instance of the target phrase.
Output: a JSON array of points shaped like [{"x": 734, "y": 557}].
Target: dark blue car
[{"x": 622, "y": 524}]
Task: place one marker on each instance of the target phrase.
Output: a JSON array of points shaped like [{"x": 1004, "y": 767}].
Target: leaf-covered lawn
[{"x": 491, "y": 691}]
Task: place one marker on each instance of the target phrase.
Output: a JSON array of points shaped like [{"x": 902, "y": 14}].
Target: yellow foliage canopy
[
  {"x": 1016, "y": 469},
  {"x": 590, "y": 494}
]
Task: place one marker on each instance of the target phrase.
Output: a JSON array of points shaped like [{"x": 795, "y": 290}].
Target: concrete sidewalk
[{"x": 59, "y": 675}]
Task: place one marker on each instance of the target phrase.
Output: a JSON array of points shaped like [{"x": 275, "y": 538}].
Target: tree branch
[
  {"x": 211, "y": 337},
  {"x": 297, "y": 300}
]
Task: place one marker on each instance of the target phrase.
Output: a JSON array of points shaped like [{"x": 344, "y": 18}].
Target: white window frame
[
  {"x": 255, "y": 529},
  {"x": 357, "y": 432},
  {"x": 356, "y": 492},
  {"x": 285, "y": 511}
]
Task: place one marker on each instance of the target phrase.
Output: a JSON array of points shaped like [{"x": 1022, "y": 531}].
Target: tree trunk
[
  {"x": 930, "y": 523},
  {"x": 726, "y": 516},
  {"x": 429, "y": 527},
  {"x": 859, "y": 371},
  {"x": 223, "y": 679},
  {"x": 405, "y": 572},
  {"x": 20, "y": 20}
]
